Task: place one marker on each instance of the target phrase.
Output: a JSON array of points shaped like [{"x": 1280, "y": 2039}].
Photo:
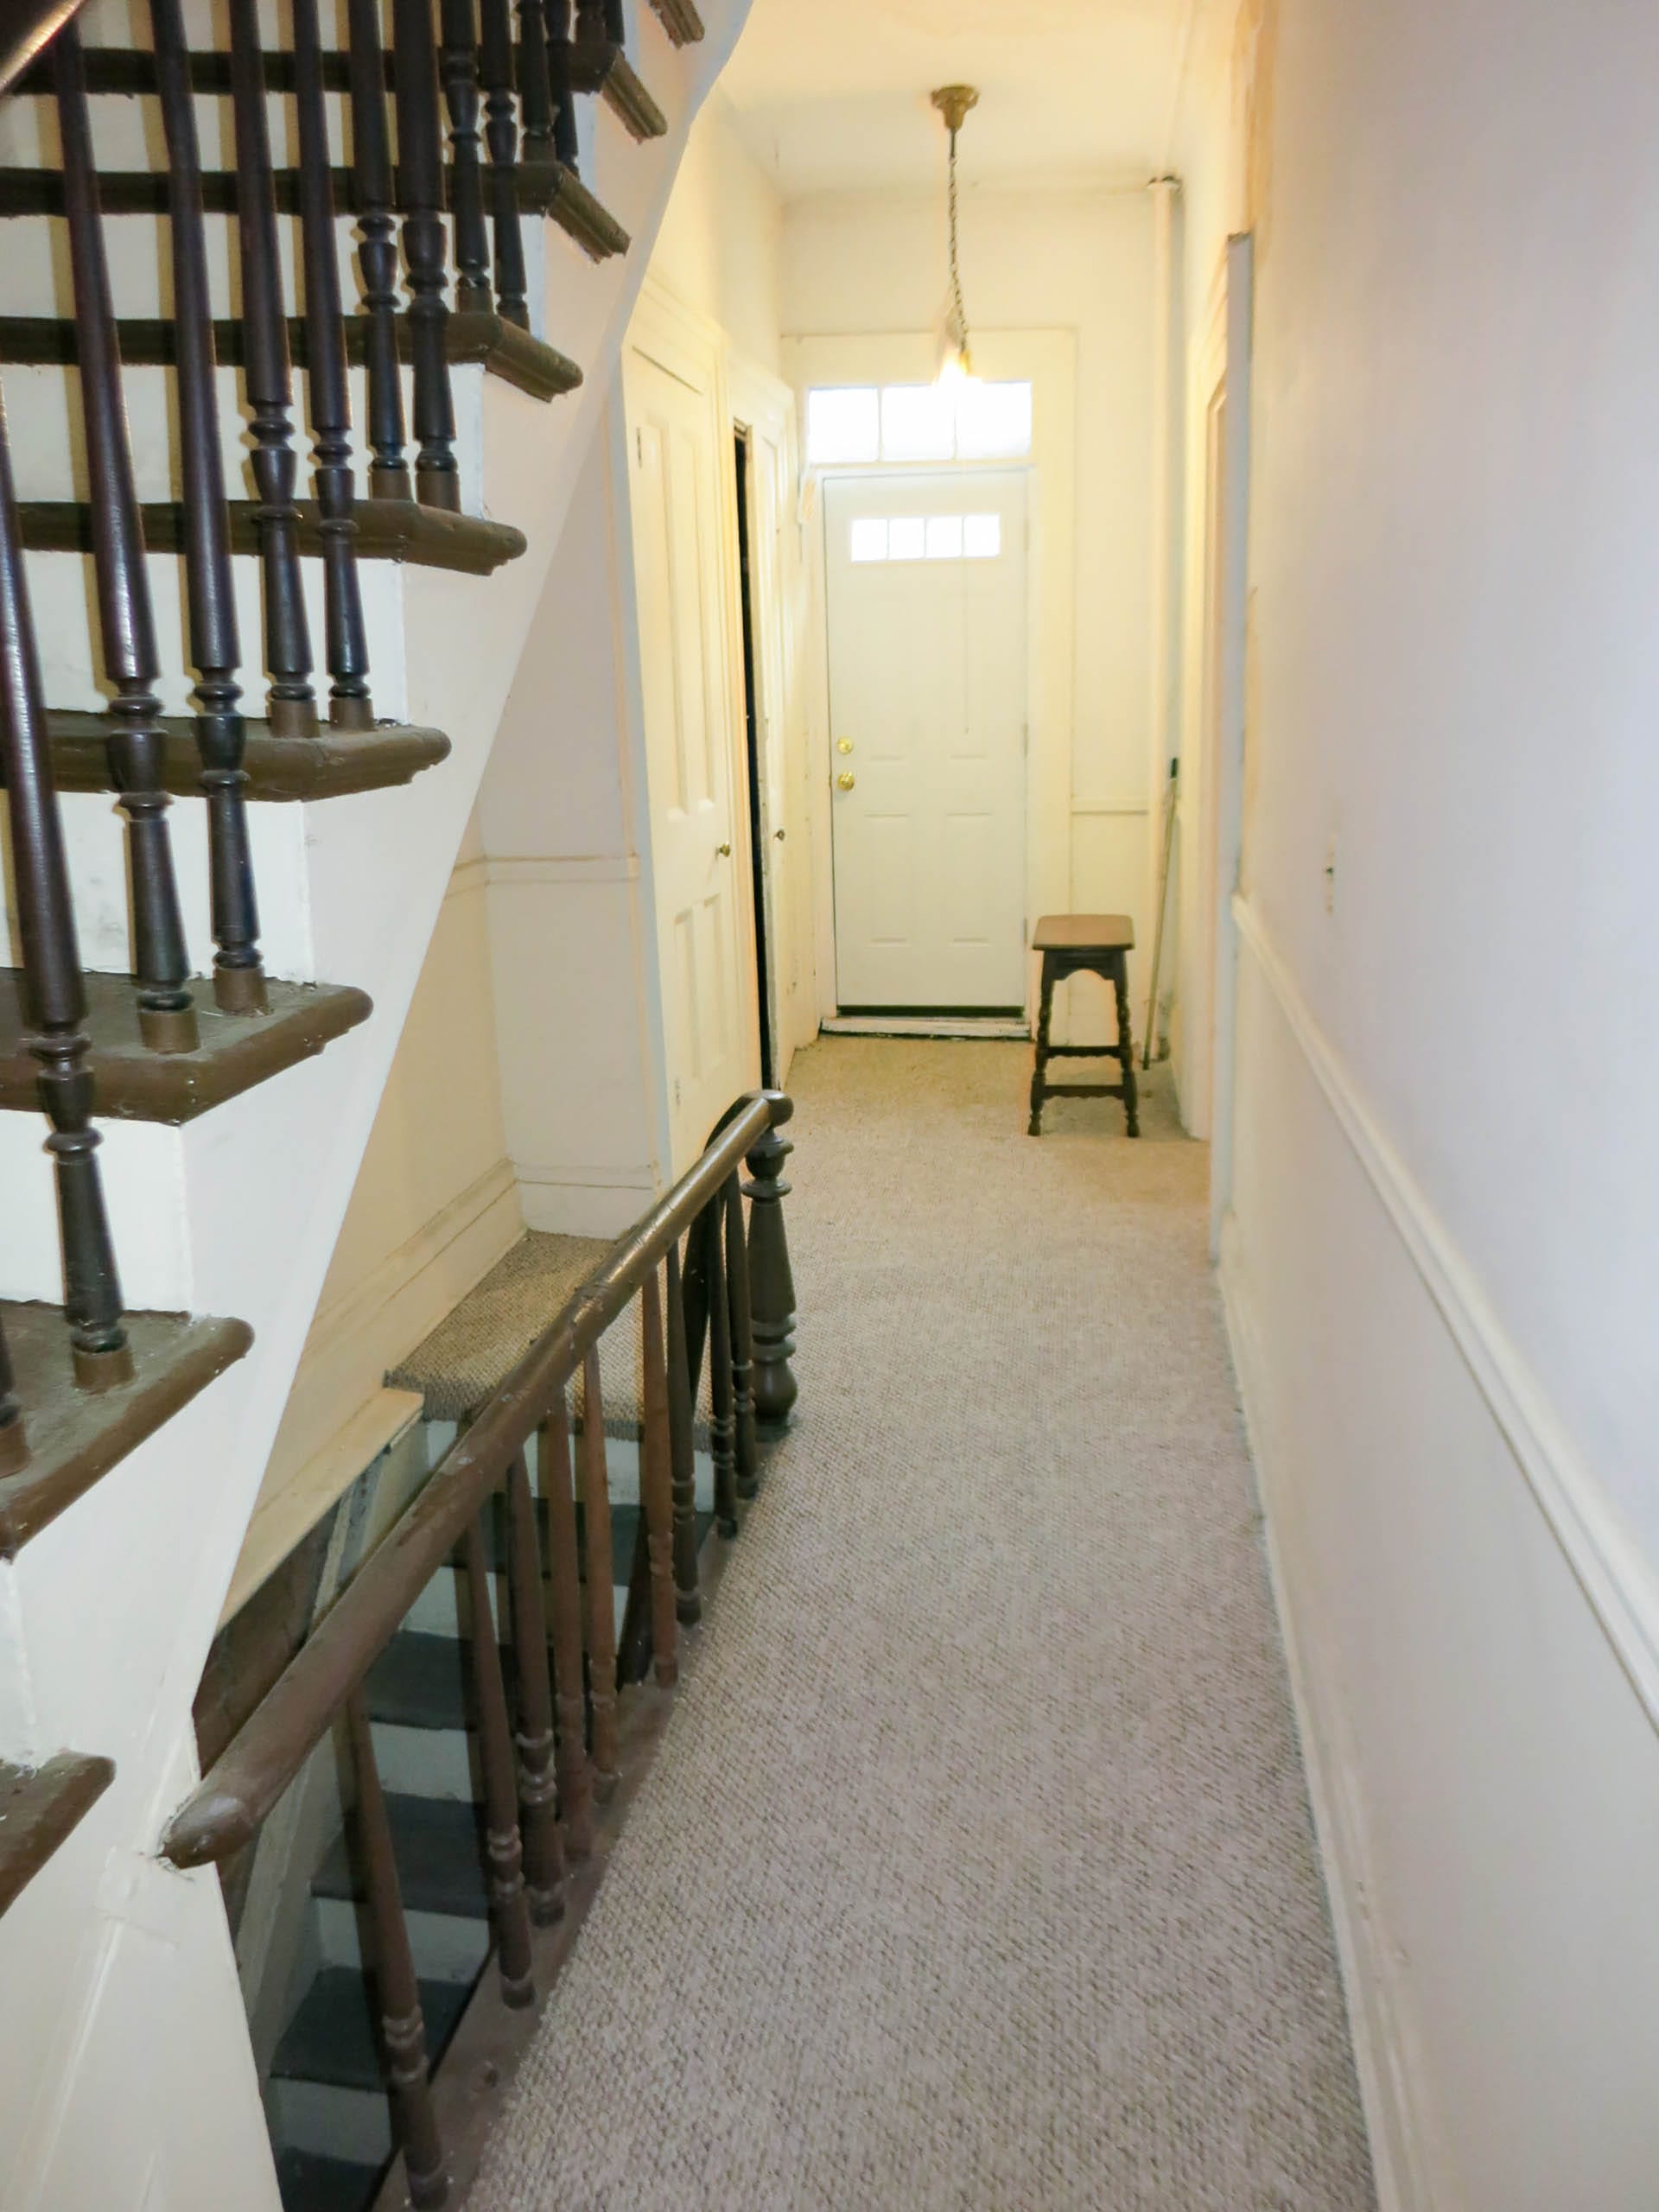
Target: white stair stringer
[{"x": 135, "y": 2084}]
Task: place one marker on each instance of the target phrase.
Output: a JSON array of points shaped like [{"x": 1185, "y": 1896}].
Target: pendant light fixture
[{"x": 956, "y": 360}]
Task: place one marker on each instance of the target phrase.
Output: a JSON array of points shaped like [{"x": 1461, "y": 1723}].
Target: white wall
[
  {"x": 564, "y": 811},
  {"x": 1440, "y": 1267},
  {"x": 1080, "y": 262}
]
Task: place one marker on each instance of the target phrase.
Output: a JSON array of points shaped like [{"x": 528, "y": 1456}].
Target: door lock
[
  {"x": 844, "y": 781},
  {"x": 844, "y": 745}
]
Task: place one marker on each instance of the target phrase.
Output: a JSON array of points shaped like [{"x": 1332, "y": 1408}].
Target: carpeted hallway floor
[{"x": 976, "y": 1873}]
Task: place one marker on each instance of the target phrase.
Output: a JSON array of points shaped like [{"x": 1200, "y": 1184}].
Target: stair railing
[
  {"x": 539, "y": 1806},
  {"x": 452, "y": 252}
]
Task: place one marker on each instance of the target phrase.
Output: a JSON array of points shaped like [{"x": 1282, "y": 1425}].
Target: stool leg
[
  {"x": 1034, "y": 1129},
  {"x": 1126, "y": 1043}
]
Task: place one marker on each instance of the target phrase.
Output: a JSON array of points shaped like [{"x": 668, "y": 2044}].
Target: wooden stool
[{"x": 1070, "y": 943}]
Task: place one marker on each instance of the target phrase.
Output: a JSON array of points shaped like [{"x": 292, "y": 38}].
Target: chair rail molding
[{"x": 1599, "y": 1544}]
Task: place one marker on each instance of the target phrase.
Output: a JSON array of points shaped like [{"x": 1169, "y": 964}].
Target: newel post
[{"x": 771, "y": 1286}]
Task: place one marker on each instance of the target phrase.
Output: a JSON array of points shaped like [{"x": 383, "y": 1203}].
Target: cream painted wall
[
  {"x": 1439, "y": 1263},
  {"x": 1075, "y": 261},
  {"x": 721, "y": 246}
]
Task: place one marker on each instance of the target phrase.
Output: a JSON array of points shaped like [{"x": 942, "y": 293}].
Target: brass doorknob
[
  {"x": 845, "y": 780},
  {"x": 725, "y": 851},
  {"x": 844, "y": 745}
]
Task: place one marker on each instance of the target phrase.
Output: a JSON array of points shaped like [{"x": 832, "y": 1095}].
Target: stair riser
[
  {"x": 94, "y": 837},
  {"x": 62, "y": 592},
  {"x": 43, "y": 416},
  {"x": 144, "y": 1183},
  {"x": 353, "y": 2123},
  {"x": 427, "y": 1761},
  {"x": 446, "y": 1948}
]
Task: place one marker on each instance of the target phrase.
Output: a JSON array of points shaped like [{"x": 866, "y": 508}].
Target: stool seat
[
  {"x": 1084, "y": 933},
  {"x": 1072, "y": 944}
]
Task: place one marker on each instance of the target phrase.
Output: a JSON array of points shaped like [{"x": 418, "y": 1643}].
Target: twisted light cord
[{"x": 955, "y": 267}]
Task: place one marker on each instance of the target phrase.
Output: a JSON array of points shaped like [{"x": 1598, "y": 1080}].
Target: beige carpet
[{"x": 976, "y": 1872}]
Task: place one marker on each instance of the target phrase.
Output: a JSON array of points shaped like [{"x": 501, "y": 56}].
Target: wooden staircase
[{"x": 290, "y": 325}]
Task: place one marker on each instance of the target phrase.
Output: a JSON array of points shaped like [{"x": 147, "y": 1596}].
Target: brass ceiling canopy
[{"x": 953, "y": 101}]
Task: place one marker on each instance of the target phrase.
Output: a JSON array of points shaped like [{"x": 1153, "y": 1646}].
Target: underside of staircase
[{"x": 306, "y": 333}]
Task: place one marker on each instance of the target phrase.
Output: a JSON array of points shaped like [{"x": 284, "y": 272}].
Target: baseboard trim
[
  {"x": 1385, "y": 2046},
  {"x": 1598, "y": 1545}
]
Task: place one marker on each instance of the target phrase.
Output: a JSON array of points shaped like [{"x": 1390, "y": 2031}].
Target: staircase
[{"x": 387, "y": 246}]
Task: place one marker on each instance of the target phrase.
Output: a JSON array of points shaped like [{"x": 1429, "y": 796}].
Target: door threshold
[{"x": 926, "y": 1025}]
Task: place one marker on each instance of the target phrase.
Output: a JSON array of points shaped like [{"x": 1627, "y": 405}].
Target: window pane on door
[
  {"x": 944, "y": 537},
  {"x": 907, "y": 538},
  {"x": 868, "y": 538},
  {"x": 981, "y": 536}
]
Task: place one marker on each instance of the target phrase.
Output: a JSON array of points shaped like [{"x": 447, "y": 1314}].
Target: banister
[
  {"x": 30, "y": 26},
  {"x": 262, "y": 1759}
]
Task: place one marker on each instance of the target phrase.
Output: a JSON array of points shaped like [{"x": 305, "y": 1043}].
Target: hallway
[{"x": 976, "y": 1871}]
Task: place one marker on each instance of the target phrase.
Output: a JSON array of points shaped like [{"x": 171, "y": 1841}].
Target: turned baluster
[
  {"x": 535, "y": 93},
  {"x": 215, "y": 645},
  {"x": 600, "y": 21},
  {"x": 346, "y": 645},
  {"x": 616, "y": 28},
  {"x": 539, "y": 1788},
  {"x": 420, "y": 186},
  {"x": 403, "y": 2030},
  {"x": 376, "y": 255},
  {"x": 737, "y": 1290},
  {"x": 508, "y": 1906},
  {"x": 683, "y": 1448},
  {"x": 167, "y": 1013},
  {"x": 656, "y": 1485},
  {"x": 575, "y": 1782},
  {"x": 771, "y": 1288},
  {"x": 722, "y": 1423},
  {"x": 458, "y": 68},
  {"x": 293, "y": 706},
  {"x": 501, "y": 135},
  {"x": 563, "y": 98},
  {"x": 14, "y": 1437},
  {"x": 55, "y": 992},
  {"x": 599, "y": 1605}
]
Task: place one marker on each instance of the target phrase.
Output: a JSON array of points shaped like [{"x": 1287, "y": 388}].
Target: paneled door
[
  {"x": 927, "y": 602},
  {"x": 699, "y": 843}
]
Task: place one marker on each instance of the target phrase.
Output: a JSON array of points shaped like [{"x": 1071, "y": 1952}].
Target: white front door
[
  {"x": 927, "y": 607},
  {"x": 698, "y": 848}
]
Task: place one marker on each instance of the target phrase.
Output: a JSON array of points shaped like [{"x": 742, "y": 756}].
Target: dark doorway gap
[{"x": 752, "y": 733}]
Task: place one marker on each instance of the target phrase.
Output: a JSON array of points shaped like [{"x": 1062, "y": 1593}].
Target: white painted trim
[
  {"x": 1386, "y": 2057},
  {"x": 586, "y": 1175},
  {"x": 925, "y": 1025},
  {"x": 1111, "y": 806},
  {"x": 1599, "y": 1544},
  {"x": 1226, "y": 793}
]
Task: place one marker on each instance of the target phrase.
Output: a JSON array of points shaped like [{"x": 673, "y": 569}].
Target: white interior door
[
  {"x": 926, "y": 608},
  {"x": 699, "y": 849}
]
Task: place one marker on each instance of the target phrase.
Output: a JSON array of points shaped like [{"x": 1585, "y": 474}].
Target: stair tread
[
  {"x": 387, "y": 530},
  {"x": 308, "y": 2181},
  {"x": 624, "y": 1521},
  {"x": 424, "y": 1681},
  {"x": 332, "y": 764},
  {"x": 680, "y": 19},
  {"x": 76, "y": 1436},
  {"x": 439, "y": 1850},
  {"x": 335, "y": 2036},
  {"x": 547, "y": 187},
  {"x": 470, "y": 335},
  {"x": 597, "y": 67},
  {"x": 134, "y": 1083}
]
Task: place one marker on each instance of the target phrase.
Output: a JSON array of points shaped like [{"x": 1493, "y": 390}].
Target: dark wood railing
[
  {"x": 457, "y": 216},
  {"x": 538, "y": 1809}
]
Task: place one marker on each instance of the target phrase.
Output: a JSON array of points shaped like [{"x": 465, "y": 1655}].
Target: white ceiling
[{"x": 832, "y": 95}]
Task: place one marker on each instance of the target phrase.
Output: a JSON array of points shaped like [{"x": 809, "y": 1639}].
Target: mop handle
[{"x": 1163, "y": 900}]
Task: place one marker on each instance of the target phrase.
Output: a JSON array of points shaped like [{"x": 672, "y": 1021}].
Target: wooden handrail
[
  {"x": 257, "y": 1766},
  {"x": 39, "y": 1807},
  {"x": 29, "y": 27}
]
